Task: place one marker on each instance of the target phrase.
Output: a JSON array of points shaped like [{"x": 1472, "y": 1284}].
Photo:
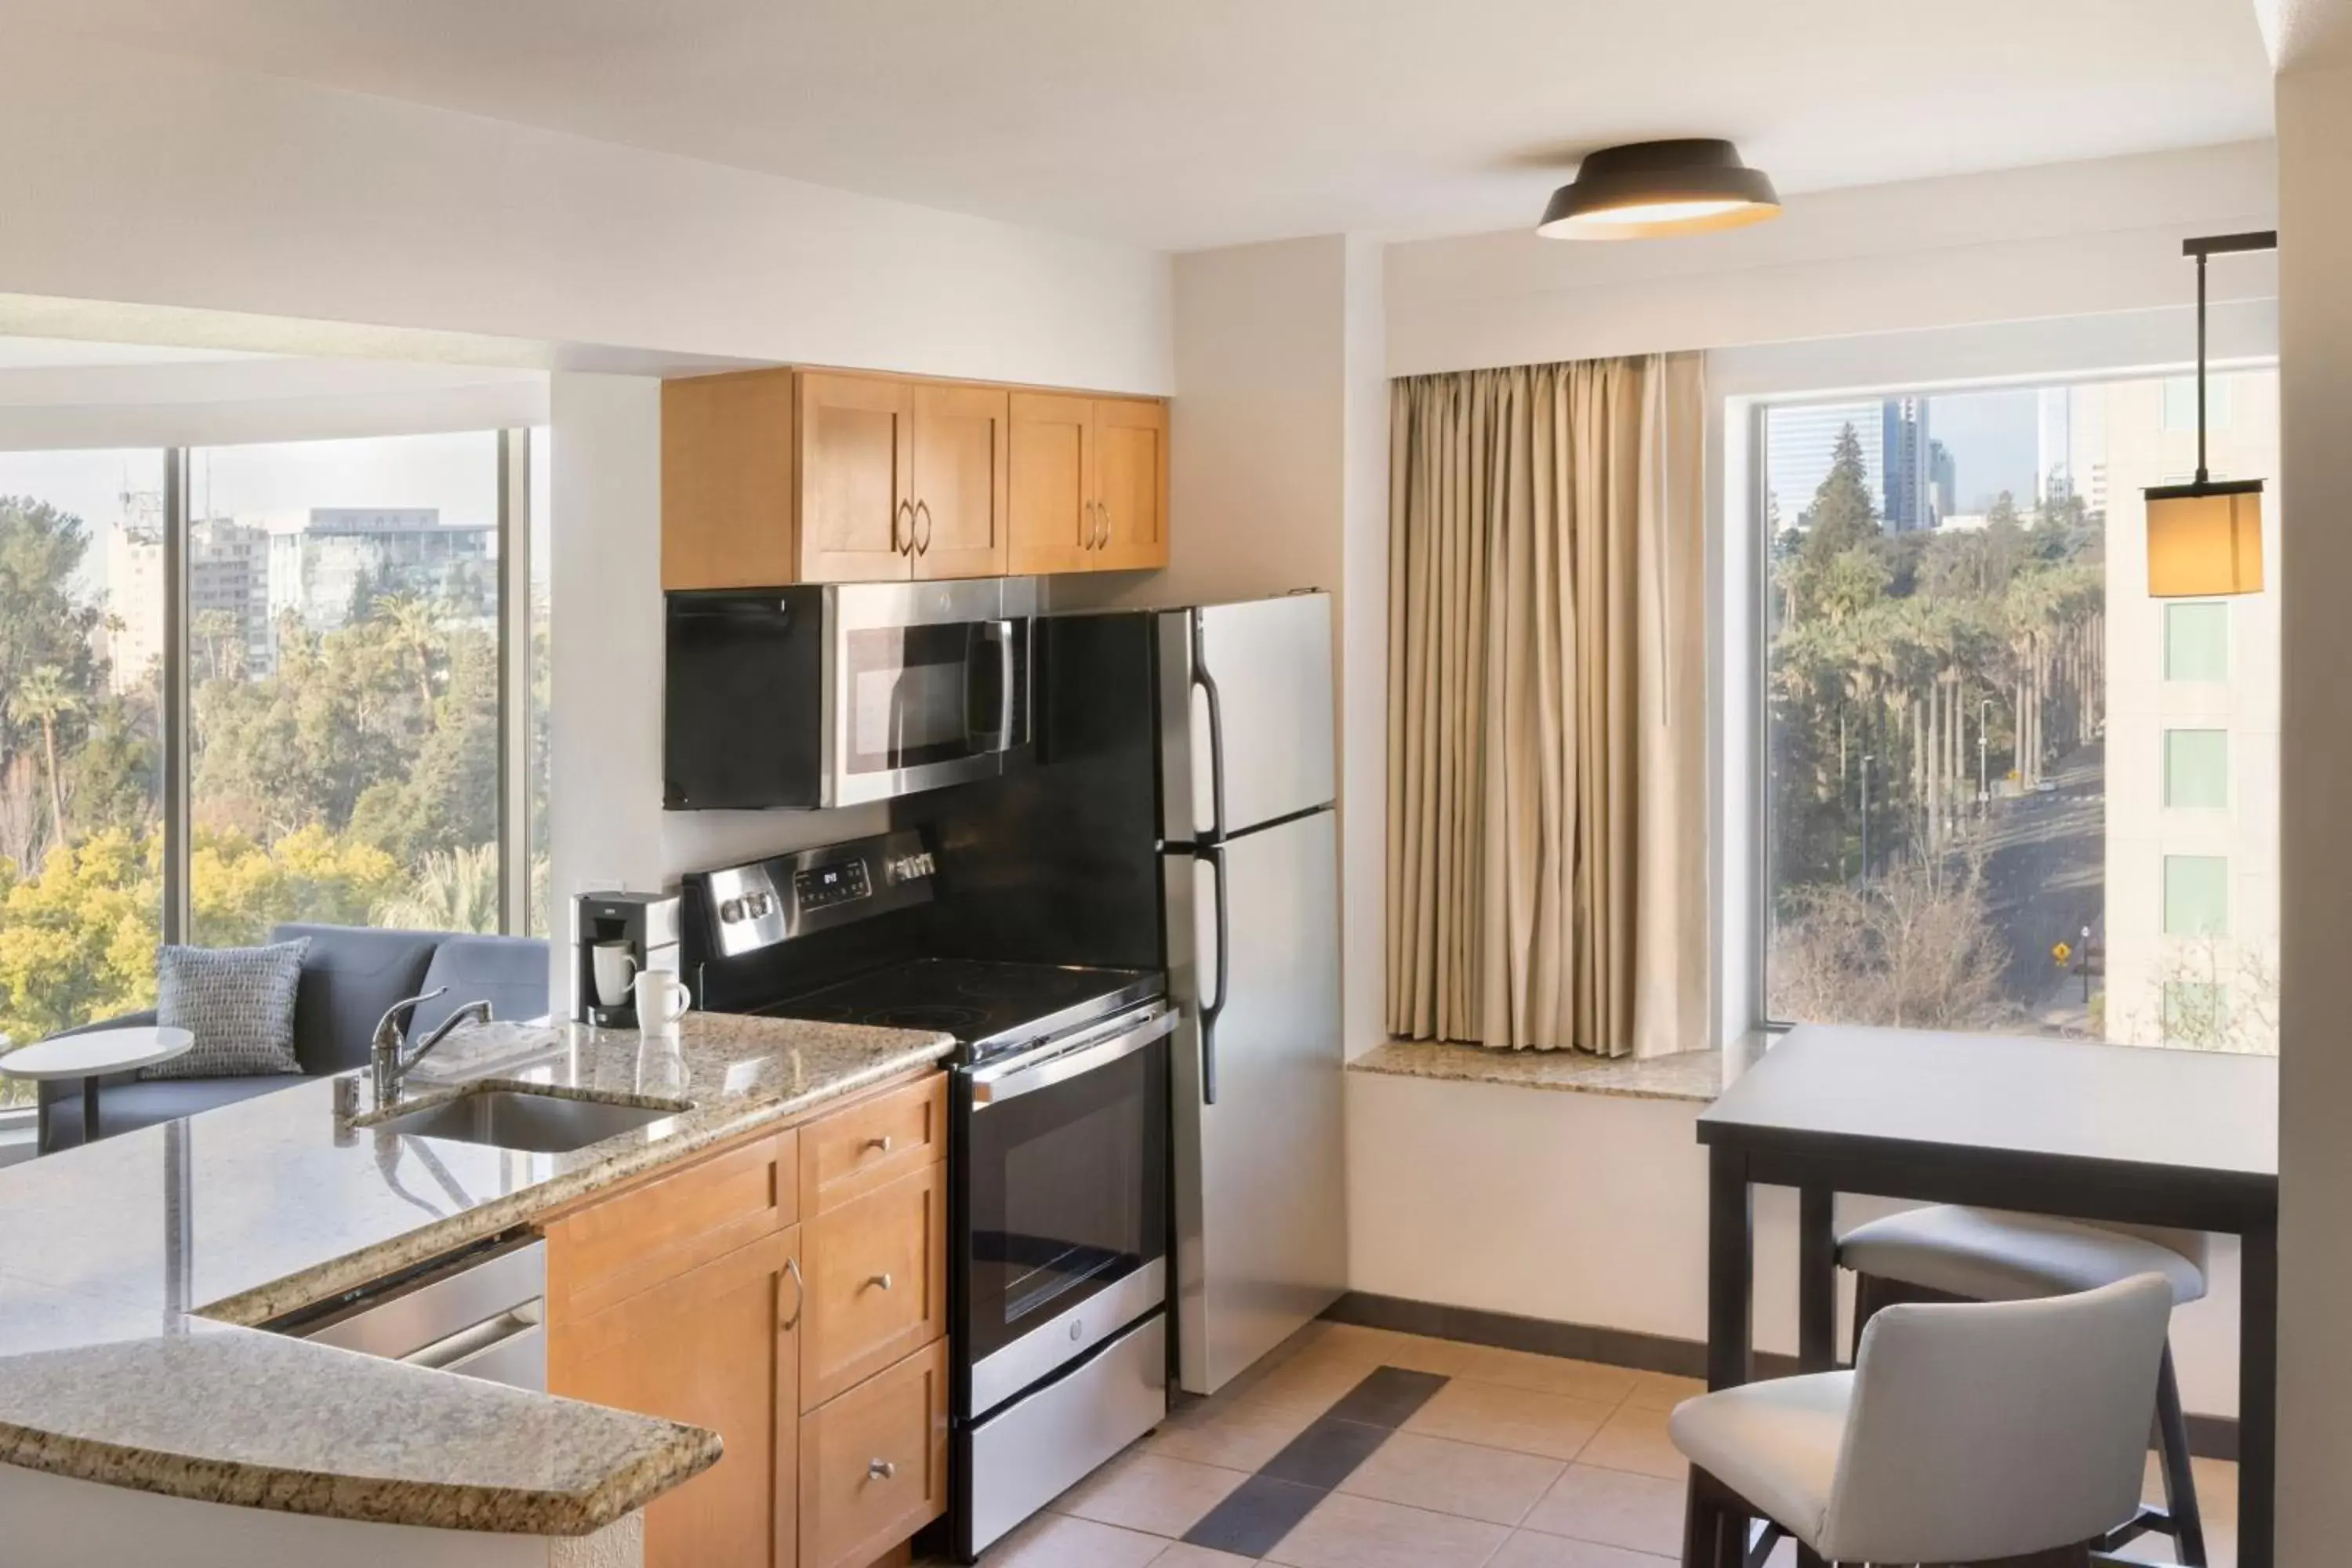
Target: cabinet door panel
[
  {"x": 847, "y": 1154},
  {"x": 717, "y": 1347},
  {"x": 1131, "y": 482},
  {"x": 877, "y": 1282},
  {"x": 1053, "y": 482},
  {"x": 875, "y": 1462},
  {"x": 727, "y": 481},
  {"x": 855, "y": 451},
  {"x": 959, "y": 480}
]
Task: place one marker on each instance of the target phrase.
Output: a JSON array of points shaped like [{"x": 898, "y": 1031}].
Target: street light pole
[
  {"x": 1866, "y": 761},
  {"x": 1984, "y": 781}
]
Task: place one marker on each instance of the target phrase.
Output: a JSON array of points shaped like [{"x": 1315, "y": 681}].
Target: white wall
[
  {"x": 148, "y": 178},
  {"x": 1586, "y": 1208},
  {"x": 2066, "y": 239},
  {"x": 220, "y": 402},
  {"x": 2315, "y": 120},
  {"x": 1278, "y": 437}
]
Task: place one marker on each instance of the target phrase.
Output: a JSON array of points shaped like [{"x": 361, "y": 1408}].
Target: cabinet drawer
[
  {"x": 872, "y": 1143},
  {"x": 612, "y": 1249},
  {"x": 877, "y": 1282},
  {"x": 874, "y": 1463}
]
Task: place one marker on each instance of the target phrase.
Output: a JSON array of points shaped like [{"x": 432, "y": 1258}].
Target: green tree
[{"x": 42, "y": 698}]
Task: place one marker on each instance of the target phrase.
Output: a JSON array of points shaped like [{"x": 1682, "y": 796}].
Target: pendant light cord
[{"x": 2202, "y": 478}]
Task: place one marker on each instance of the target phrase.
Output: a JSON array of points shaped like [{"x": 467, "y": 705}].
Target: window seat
[{"x": 1686, "y": 1075}]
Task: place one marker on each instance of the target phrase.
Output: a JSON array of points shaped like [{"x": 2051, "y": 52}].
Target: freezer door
[
  {"x": 1261, "y": 1221},
  {"x": 1246, "y": 714}
]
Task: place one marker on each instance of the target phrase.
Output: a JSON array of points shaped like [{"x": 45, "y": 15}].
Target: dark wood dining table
[{"x": 2123, "y": 1133}]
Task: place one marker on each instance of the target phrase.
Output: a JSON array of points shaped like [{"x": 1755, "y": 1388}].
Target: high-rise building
[
  {"x": 134, "y": 627},
  {"x": 335, "y": 560},
  {"x": 2191, "y": 739},
  {"x": 1907, "y": 500},
  {"x": 229, "y": 592},
  {"x": 1943, "y": 480}
]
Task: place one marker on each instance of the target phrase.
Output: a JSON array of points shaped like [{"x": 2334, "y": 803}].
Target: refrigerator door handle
[
  {"x": 1213, "y": 856},
  {"x": 1208, "y": 685}
]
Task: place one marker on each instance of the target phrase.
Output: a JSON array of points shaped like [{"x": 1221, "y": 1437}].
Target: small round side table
[{"x": 93, "y": 1056}]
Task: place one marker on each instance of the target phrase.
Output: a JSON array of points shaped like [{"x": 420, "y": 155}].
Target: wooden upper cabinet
[
  {"x": 1052, "y": 483},
  {"x": 773, "y": 476},
  {"x": 727, "y": 481},
  {"x": 1131, "y": 483},
  {"x": 857, "y": 479},
  {"x": 960, "y": 440}
]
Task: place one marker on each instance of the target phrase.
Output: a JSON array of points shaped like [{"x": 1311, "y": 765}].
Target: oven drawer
[
  {"x": 878, "y": 1280},
  {"x": 874, "y": 1463},
  {"x": 615, "y": 1247},
  {"x": 872, "y": 1143}
]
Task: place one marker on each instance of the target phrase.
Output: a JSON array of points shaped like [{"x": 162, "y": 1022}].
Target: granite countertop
[{"x": 135, "y": 1270}]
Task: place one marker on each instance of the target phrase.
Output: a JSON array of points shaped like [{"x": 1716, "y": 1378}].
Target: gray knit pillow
[{"x": 238, "y": 1002}]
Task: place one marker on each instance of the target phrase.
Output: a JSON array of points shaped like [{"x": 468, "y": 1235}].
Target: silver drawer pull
[
  {"x": 880, "y": 1471},
  {"x": 879, "y": 1145},
  {"x": 881, "y": 1281}
]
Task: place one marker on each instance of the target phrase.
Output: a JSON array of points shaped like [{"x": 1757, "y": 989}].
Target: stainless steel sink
[{"x": 534, "y": 1124}]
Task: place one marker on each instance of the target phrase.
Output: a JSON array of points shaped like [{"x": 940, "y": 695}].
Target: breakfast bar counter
[{"x": 137, "y": 1272}]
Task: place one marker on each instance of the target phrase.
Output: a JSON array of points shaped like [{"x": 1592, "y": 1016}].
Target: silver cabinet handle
[
  {"x": 800, "y": 1294},
  {"x": 923, "y": 515},
  {"x": 881, "y": 1281},
  {"x": 1102, "y": 523},
  {"x": 1086, "y": 526},
  {"x": 879, "y": 1145},
  {"x": 905, "y": 509},
  {"x": 880, "y": 1469}
]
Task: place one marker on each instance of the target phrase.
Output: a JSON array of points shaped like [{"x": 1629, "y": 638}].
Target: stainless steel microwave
[{"x": 829, "y": 695}]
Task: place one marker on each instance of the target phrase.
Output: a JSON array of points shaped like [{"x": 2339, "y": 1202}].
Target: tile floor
[{"x": 1467, "y": 1456}]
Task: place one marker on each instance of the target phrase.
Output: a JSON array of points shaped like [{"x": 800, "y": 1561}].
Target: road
[{"x": 2045, "y": 879}]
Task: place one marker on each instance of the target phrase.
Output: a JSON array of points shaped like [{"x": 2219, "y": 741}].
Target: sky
[
  {"x": 1992, "y": 436},
  {"x": 457, "y": 473}
]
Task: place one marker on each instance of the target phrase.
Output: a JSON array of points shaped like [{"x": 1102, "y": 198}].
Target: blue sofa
[{"x": 349, "y": 976}]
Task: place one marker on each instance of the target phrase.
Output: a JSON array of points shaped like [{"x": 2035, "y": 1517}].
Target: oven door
[
  {"x": 927, "y": 684},
  {"x": 1065, "y": 1202}
]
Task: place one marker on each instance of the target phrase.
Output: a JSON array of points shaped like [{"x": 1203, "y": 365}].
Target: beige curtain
[{"x": 1547, "y": 876}]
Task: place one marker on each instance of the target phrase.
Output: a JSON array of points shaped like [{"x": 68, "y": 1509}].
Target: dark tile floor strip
[{"x": 1254, "y": 1517}]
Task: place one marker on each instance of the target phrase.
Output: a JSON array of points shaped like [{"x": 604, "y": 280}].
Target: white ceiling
[{"x": 1182, "y": 123}]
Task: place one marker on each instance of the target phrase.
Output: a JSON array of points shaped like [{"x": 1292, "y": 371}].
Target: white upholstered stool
[
  {"x": 1949, "y": 1251},
  {"x": 1966, "y": 1433}
]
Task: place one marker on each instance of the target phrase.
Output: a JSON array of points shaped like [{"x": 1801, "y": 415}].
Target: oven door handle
[
  {"x": 995, "y": 1086},
  {"x": 998, "y": 635}
]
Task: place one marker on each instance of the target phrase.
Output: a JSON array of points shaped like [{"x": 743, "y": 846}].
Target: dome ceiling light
[{"x": 1646, "y": 190}]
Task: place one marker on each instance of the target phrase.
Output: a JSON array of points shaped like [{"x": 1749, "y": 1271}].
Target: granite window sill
[{"x": 1696, "y": 1077}]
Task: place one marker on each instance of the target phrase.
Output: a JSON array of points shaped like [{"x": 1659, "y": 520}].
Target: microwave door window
[{"x": 907, "y": 697}]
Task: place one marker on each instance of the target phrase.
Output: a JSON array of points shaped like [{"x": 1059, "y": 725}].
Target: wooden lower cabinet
[
  {"x": 718, "y": 1346},
  {"x": 874, "y": 1463},
  {"x": 787, "y": 1292}
]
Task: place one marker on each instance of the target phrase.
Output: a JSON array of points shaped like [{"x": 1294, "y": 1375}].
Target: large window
[
  {"x": 316, "y": 641},
  {"x": 2006, "y": 789}
]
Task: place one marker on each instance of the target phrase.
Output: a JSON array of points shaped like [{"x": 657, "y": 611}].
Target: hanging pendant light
[
  {"x": 1647, "y": 189},
  {"x": 2205, "y": 538}
]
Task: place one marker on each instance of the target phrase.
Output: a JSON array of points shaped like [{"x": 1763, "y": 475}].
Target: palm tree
[
  {"x": 456, "y": 890},
  {"x": 416, "y": 626},
  {"x": 43, "y": 697}
]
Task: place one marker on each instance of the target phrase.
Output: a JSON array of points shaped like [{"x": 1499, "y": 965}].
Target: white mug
[
  {"x": 661, "y": 1000},
  {"x": 616, "y": 966}
]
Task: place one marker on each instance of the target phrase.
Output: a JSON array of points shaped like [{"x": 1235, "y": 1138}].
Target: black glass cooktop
[{"x": 987, "y": 1006}]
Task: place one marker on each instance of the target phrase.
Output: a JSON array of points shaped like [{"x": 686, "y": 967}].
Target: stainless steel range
[{"x": 1058, "y": 1150}]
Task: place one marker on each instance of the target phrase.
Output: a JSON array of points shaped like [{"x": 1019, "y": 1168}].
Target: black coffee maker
[{"x": 614, "y": 936}]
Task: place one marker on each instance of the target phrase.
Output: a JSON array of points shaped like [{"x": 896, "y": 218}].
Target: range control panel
[
  {"x": 824, "y": 887},
  {"x": 767, "y": 901}
]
